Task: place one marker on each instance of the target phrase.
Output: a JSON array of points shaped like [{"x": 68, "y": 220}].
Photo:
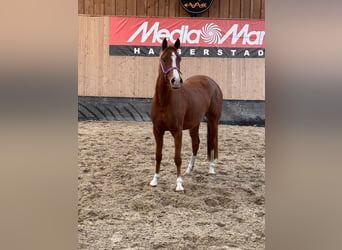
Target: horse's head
[{"x": 170, "y": 64}]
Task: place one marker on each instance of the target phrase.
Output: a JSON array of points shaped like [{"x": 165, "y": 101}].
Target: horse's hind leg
[
  {"x": 158, "y": 135},
  {"x": 195, "y": 140},
  {"x": 212, "y": 144}
]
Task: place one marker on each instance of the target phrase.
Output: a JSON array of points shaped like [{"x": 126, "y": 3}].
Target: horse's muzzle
[{"x": 176, "y": 84}]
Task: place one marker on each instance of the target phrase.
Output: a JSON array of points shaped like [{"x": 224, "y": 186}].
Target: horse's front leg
[
  {"x": 159, "y": 136},
  {"x": 178, "y": 159}
]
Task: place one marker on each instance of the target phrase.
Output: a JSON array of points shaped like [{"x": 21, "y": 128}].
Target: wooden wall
[
  {"x": 245, "y": 9},
  {"x": 104, "y": 75},
  {"x": 130, "y": 76}
]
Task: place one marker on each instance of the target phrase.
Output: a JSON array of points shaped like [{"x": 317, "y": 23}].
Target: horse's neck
[{"x": 162, "y": 91}]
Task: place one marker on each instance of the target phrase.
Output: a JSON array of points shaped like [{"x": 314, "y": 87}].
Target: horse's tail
[
  {"x": 212, "y": 140},
  {"x": 213, "y": 117},
  {"x": 208, "y": 141}
]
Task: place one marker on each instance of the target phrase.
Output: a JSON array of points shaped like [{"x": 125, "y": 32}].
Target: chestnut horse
[{"x": 177, "y": 106}]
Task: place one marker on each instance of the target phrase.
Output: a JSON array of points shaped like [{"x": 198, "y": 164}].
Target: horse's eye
[{"x": 164, "y": 60}]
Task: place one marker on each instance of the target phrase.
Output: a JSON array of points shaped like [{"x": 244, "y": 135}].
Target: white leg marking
[
  {"x": 179, "y": 186},
  {"x": 212, "y": 163},
  {"x": 175, "y": 72},
  {"x": 212, "y": 168},
  {"x": 154, "y": 181},
  {"x": 191, "y": 164}
]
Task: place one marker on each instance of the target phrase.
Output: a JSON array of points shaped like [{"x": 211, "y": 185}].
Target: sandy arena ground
[{"x": 119, "y": 210}]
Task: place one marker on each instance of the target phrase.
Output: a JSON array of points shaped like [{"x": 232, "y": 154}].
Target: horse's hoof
[
  {"x": 182, "y": 191},
  {"x": 212, "y": 168},
  {"x": 154, "y": 181},
  {"x": 180, "y": 187},
  {"x": 211, "y": 171}
]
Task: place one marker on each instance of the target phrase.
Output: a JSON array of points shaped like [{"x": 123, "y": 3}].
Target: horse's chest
[{"x": 168, "y": 119}]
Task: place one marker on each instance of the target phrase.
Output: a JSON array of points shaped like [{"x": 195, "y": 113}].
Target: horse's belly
[{"x": 192, "y": 120}]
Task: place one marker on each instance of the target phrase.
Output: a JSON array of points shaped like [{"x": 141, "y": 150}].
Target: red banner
[
  {"x": 191, "y": 32},
  {"x": 130, "y": 33}
]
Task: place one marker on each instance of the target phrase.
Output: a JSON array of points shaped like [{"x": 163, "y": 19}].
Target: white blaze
[{"x": 175, "y": 71}]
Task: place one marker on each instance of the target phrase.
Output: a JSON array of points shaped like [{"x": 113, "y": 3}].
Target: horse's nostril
[
  {"x": 173, "y": 80},
  {"x": 181, "y": 80}
]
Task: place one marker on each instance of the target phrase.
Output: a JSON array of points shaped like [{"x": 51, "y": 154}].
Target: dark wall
[{"x": 235, "y": 112}]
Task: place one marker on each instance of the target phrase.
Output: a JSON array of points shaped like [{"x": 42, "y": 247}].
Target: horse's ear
[
  {"x": 164, "y": 45},
  {"x": 177, "y": 43}
]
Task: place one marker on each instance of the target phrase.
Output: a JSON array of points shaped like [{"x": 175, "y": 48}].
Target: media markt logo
[{"x": 209, "y": 33}]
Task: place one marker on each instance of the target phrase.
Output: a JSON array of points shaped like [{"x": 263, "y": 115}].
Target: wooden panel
[
  {"x": 81, "y": 6},
  {"x": 211, "y": 67},
  {"x": 88, "y": 7},
  {"x": 129, "y": 76},
  {"x": 254, "y": 9},
  {"x": 255, "y": 79},
  {"x": 224, "y": 8},
  {"x": 94, "y": 56},
  {"x": 248, "y": 79},
  {"x": 262, "y": 11},
  {"x": 180, "y": 12},
  {"x": 156, "y": 8},
  {"x": 141, "y": 7},
  {"x": 99, "y": 7},
  {"x": 172, "y": 8},
  {"x": 245, "y": 8},
  {"x": 214, "y": 11},
  {"x": 152, "y": 8},
  {"x": 120, "y": 8},
  {"x": 235, "y": 9},
  {"x": 163, "y": 8},
  {"x": 110, "y": 7},
  {"x": 82, "y": 49},
  {"x": 131, "y": 7}
]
